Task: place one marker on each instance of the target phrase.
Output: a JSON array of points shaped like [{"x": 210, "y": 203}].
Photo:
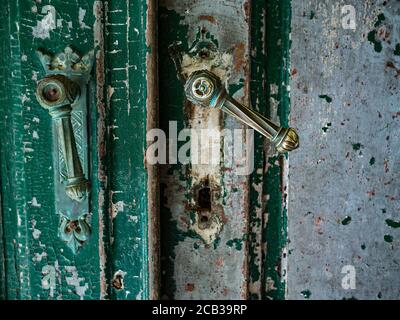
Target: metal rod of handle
[
  {"x": 77, "y": 185},
  {"x": 205, "y": 88}
]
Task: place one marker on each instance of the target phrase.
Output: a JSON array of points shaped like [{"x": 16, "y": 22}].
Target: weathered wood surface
[
  {"x": 120, "y": 260},
  {"x": 194, "y": 268},
  {"x": 344, "y": 179},
  {"x": 114, "y": 262},
  {"x": 244, "y": 260}
]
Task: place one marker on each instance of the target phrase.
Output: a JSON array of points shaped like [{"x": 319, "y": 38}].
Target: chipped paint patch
[
  {"x": 116, "y": 208},
  {"x": 34, "y": 203},
  {"x": 47, "y": 24},
  {"x": 219, "y": 63},
  {"x": 82, "y": 24},
  {"x": 37, "y": 257},
  {"x": 48, "y": 281},
  {"x": 211, "y": 232},
  {"x": 75, "y": 281},
  {"x": 118, "y": 280}
]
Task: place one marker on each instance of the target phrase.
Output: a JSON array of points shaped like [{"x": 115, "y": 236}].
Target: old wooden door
[{"x": 136, "y": 231}]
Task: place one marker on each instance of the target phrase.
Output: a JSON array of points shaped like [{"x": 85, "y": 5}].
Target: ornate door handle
[
  {"x": 205, "y": 88},
  {"x": 57, "y": 93},
  {"x": 64, "y": 93}
]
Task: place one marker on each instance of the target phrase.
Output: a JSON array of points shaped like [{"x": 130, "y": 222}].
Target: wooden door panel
[
  {"x": 113, "y": 262},
  {"x": 238, "y": 251}
]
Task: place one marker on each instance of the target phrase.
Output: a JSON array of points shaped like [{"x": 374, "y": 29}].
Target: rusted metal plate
[{"x": 344, "y": 180}]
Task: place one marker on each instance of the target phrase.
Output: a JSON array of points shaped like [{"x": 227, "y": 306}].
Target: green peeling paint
[
  {"x": 325, "y": 128},
  {"x": 380, "y": 19},
  {"x": 259, "y": 103},
  {"x": 372, "y": 35},
  {"x": 306, "y": 294},
  {"x": 372, "y": 38},
  {"x": 238, "y": 243},
  {"x": 25, "y": 176},
  {"x": 372, "y": 161},
  {"x": 346, "y": 220},
  {"x": 388, "y": 238},
  {"x": 326, "y": 98},
  {"x": 397, "y": 50},
  {"x": 393, "y": 224},
  {"x": 357, "y": 146},
  {"x": 278, "y": 65},
  {"x": 29, "y": 173},
  {"x": 171, "y": 102}
]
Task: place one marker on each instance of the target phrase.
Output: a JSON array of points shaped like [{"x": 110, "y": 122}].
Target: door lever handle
[
  {"x": 205, "y": 88},
  {"x": 57, "y": 93}
]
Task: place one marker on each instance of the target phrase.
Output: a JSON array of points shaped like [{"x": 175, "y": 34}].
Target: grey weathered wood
[{"x": 348, "y": 162}]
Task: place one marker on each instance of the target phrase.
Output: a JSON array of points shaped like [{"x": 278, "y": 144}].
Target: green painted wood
[
  {"x": 278, "y": 43},
  {"x": 258, "y": 101},
  {"x": 127, "y": 52},
  {"x": 37, "y": 264},
  {"x": 2, "y": 269}
]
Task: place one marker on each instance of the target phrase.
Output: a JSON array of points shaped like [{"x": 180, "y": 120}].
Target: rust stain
[
  {"x": 391, "y": 65},
  {"x": 386, "y": 165},
  {"x": 318, "y": 223},
  {"x": 208, "y": 18},
  {"x": 219, "y": 262},
  {"x": 152, "y": 170},
  {"x": 396, "y": 115},
  {"x": 384, "y": 34},
  {"x": 239, "y": 59},
  {"x": 189, "y": 287},
  {"x": 371, "y": 193},
  {"x": 246, "y": 9},
  {"x": 101, "y": 136},
  {"x": 117, "y": 282}
]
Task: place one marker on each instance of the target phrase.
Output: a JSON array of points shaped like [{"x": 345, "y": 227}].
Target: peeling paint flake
[
  {"x": 47, "y": 24},
  {"x": 82, "y": 13},
  {"x": 75, "y": 281}
]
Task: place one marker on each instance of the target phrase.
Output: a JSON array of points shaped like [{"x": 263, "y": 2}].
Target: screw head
[
  {"x": 202, "y": 88},
  {"x": 51, "y": 92},
  {"x": 56, "y": 91}
]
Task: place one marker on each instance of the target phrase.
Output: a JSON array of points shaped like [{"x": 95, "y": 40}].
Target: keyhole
[
  {"x": 204, "y": 206},
  {"x": 204, "y": 199}
]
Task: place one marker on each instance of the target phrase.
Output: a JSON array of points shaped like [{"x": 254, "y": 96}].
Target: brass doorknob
[{"x": 205, "y": 88}]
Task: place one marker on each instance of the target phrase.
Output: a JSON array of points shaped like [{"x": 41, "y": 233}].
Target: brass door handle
[
  {"x": 205, "y": 88},
  {"x": 64, "y": 93},
  {"x": 56, "y": 93}
]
